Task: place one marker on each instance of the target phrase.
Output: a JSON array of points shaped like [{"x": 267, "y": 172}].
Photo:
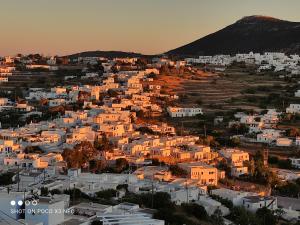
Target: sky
[{"x": 63, "y": 27}]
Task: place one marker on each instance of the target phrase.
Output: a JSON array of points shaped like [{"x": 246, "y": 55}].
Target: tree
[
  {"x": 6, "y": 178},
  {"x": 261, "y": 173},
  {"x": 97, "y": 165},
  {"x": 55, "y": 192},
  {"x": 112, "y": 93},
  {"x": 265, "y": 216},
  {"x": 102, "y": 144},
  {"x": 279, "y": 212},
  {"x": 96, "y": 222},
  {"x": 33, "y": 149},
  {"x": 158, "y": 200},
  {"x": 145, "y": 130},
  {"x": 251, "y": 167},
  {"x": 169, "y": 216},
  {"x": 106, "y": 194},
  {"x": 122, "y": 186},
  {"x": 217, "y": 217},
  {"x": 290, "y": 189},
  {"x": 121, "y": 164},
  {"x": 74, "y": 193},
  {"x": 293, "y": 132},
  {"x": 196, "y": 210},
  {"x": 239, "y": 129},
  {"x": 240, "y": 216},
  {"x": 44, "y": 191},
  {"x": 80, "y": 155},
  {"x": 177, "y": 171}
]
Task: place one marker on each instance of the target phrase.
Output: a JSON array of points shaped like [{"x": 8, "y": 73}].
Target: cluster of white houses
[
  {"x": 108, "y": 110},
  {"x": 264, "y": 127},
  {"x": 276, "y": 61}
]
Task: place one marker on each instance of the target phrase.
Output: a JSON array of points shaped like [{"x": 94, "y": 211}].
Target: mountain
[
  {"x": 252, "y": 33},
  {"x": 106, "y": 54}
]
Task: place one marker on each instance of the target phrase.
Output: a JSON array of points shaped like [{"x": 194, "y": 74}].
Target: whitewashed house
[
  {"x": 253, "y": 203},
  {"x": 268, "y": 136},
  {"x": 293, "y": 108},
  {"x": 236, "y": 158},
  {"x": 284, "y": 142},
  {"x": 183, "y": 112},
  {"x": 295, "y": 162}
]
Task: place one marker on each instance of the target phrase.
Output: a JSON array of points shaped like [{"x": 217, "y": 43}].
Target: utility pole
[
  {"x": 204, "y": 127},
  {"x": 44, "y": 172},
  {"x": 18, "y": 178},
  {"x": 181, "y": 128},
  {"x": 187, "y": 191},
  {"x": 152, "y": 193},
  {"x": 74, "y": 195}
]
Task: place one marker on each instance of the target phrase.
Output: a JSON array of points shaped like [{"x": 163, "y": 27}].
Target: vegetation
[
  {"x": 289, "y": 189},
  {"x": 102, "y": 144},
  {"x": 97, "y": 165},
  {"x": 280, "y": 163},
  {"x": 33, "y": 149},
  {"x": 80, "y": 155},
  {"x": 217, "y": 218},
  {"x": 195, "y": 210},
  {"x": 121, "y": 165},
  {"x": 6, "y": 178},
  {"x": 106, "y": 194},
  {"x": 189, "y": 214},
  {"x": 96, "y": 222},
  {"x": 223, "y": 201},
  {"x": 259, "y": 173},
  {"x": 237, "y": 129},
  {"x": 146, "y": 130},
  {"x": 177, "y": 171}
]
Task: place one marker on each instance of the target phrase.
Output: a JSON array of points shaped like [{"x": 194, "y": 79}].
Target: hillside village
[{"x": 106, "y": 142}]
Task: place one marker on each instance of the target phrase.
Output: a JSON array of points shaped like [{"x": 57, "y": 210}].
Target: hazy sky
[{"x": 146, "y": 26}]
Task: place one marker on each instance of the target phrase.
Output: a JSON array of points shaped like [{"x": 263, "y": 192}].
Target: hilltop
[{"x": 252, "y": 33}]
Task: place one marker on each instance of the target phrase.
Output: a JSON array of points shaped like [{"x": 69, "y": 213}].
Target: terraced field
[
  {"x": 26, "y": 79},
  {"x": 222, "y": 92}
]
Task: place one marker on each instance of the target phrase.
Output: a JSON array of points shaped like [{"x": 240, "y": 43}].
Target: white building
[
  {"x": 206, "y": 174},
  {"x": 293, "y": 108},
  {"x": 183, "y": 112},
  {"x": 236, "y": 158},
  {"x": 284, "y": 142},
  {"x": 268, "y": 136},
  {"x": 47, "y": 211},
  {"x": 210, "y": 205},
  {"x": 236, "y": 197},
  {"x": 295, "y": 162},
  {"x": 297, "y": 141},
  {"x": 253, "y": 203}
]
